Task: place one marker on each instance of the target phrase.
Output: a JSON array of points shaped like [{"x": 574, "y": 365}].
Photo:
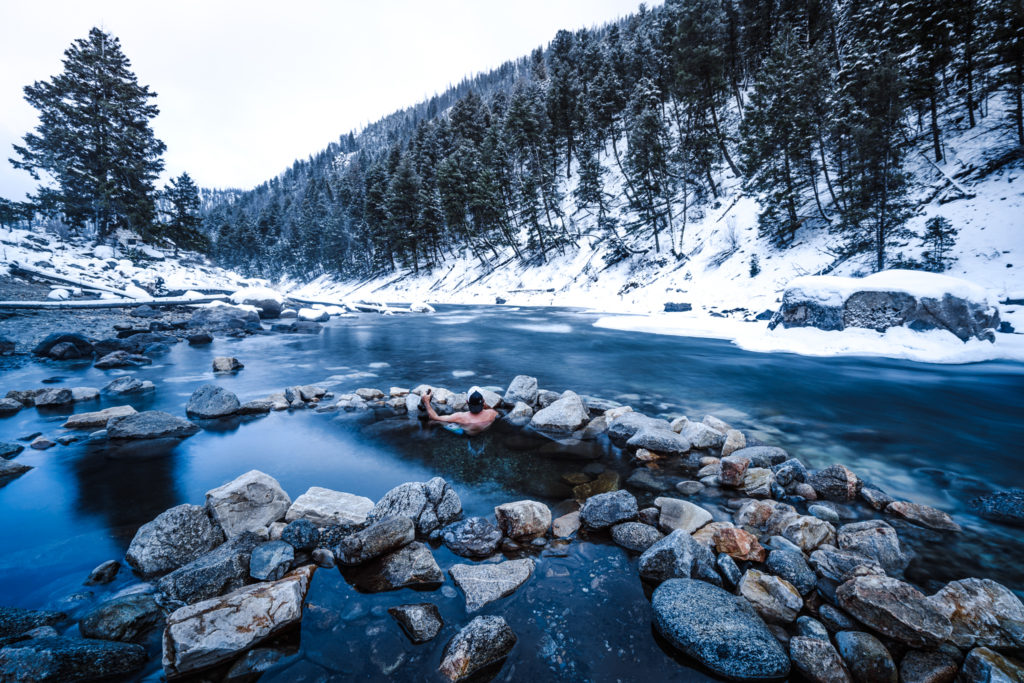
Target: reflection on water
[{"x": 936, "y": 434}]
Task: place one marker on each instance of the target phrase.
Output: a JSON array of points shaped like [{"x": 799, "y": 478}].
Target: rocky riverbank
[{"x": 759, "y": 567}]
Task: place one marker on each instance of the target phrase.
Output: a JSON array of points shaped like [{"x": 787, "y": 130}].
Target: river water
[{"x": 933, "y": 434}]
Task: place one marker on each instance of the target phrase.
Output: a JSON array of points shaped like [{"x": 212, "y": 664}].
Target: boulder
[
  {"x": 176, "y": 537},
  {"x": 485, "y": 583},
  {"x": 410, "y": 566},
  {"x": 219, "y": 571},
  {"x": 14, "y": 620},
  {"x": 473, "y": 537},
  {"x": 211, "y": 401},
  {"x": 702, "y": 436},
  {"x": 835, "y": 482},
  {"x": 678, "y": 556},
  {"x": 734, "y": 441},
  {"x": 925, "y": 515},
  {"x": 54, "y": 398},
  {"x": 680, "y": 514},
  {"x": 269, "y": 302},
  {"x": 739, "y": 544},
  {"x": 74, "y": 346},
  {"x": 128, "y": 386},
  {"x": 866, "y": 658},
  {"x": 775, "y": 599},
  {"x": 659, "y": 440},
  {"x": 733, "y": 470},
  {"x": 103, "y": 574},
  {"x": 718, "y": 630},
  {"x": 622, "y": 428},
  {"x": 524, "y": 519},
  {"x": 129, "y": 618},
  {"x": 213, "y": 631},
  {"x": 430, "y": 505},
  {"x": 807, "y": 532},
  {"x": 122, "y": 359},
  {"x": 895, "y": 609},
  {"x": 983, "y": 613},
  {"x": 326, "y": 507},
  {"x": 763, "y": 456},
  {"x": 59, "y": 659},
  {"x": 380, "y": 538},
  {"x": 522, "y": 389},
  {"x": 606, "y": 509},
  {"x": 818, "y": 661},
  {"x": 482, "y": 642},
  {"x": 877, "y": 540},
  {"x": 635, "y": 536},
  {"x": 300, "y": 534},
  {"x": 270, "y": 561},
  {"x": 9, "y": 406},
  {"x": 567, "y": 414},
  {"x": 1005, "y": 506},
  {"x": 928, "y": 666},
  {"x": 843, "y": 565},
  {"x": 566, "y": 525},
  {"x": 247, "y": 503},
  {"x": 9, "y": 449},
  {"x": 226, "y": 364},
  {"x": 421, "y": 621},
  {"x": 259, "y": 406},
  {"x": 982, "y": 665},
  {"x": 811, "y": 628},
  {"x": 97, "y": 419},
  {"x": 150, "y": 424},
  {"x": 221, "y": 317},
  {"x": 200, "y": 339}
]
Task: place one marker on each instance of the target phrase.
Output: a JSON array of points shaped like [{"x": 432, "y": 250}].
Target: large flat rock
[
  {"x": 324, "y": 507},
  {"x": 485, "y": 583}
]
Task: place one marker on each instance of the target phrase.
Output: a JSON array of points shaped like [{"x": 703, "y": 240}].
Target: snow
[
  {"x": 257, "y": 293},
  {"x": 836, "y": 289}
]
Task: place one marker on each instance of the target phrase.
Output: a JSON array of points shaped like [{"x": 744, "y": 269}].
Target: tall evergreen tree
[
  {"x": 94, "y": 140},
  {"x": 183, "y": 219}
]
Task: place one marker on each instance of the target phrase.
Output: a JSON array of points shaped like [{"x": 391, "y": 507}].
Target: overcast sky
[{"x": 245, "y": 88}]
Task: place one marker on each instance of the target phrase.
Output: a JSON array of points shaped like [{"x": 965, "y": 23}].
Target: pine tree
[
  {"x": 183, "y": 220},
  {"x": 939, "y": 238},
  {"x": 94, "y": 140},
  {"x": 647, "y": 161},
  {"x": 1008, "y": 46}
]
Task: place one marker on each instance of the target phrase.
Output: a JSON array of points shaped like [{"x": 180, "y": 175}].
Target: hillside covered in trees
[{"x": 625, "y": 135}]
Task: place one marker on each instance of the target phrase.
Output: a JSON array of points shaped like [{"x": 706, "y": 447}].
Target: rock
[
  {"x": 895, "y": 609},
  {"x": 622, "y": 428},
  {"x": 836, "y": 619},
  {"x": 380, "y": 538},
  {"x": 733, "y": 470},
  {"x": 247, "y": 503},
  {"x": 222, "y": 317},
  {"x": 150, "y": 424},
  {"x": 9, "y": 406},
  {"x": 524, "y": 519},
  {"x": 326, "y": 507},
  {"x": 176, "y": 537},
  {"x": 322, "y": 557},
  {"x": 566, "y": 525},
  {"x": 606, "y": 509},
  {"x": 485, "y": 583},
  {"x": 680, "y": 514},
  {"x": 300, "y": 534},
  {"x": 10, "y": 450},
  {"x": 129, "y": 618},
  {"x": 522, "y": 389},
  {"x": 808, "y": 532},
  {"x": 103, "y": 574},
  {"x": 259, "y": 406},
  {"x": 482, "y": 642},
  {"x": 253, "y": 664},
  {"x": 430, "y": 505},
  {"x": 75, "y": 346},
  {"x": 635, "y": 536},
  {"x": 58, "y": 659},
  {"x": 14, "y": 620},
  {"x": 199, "y": 339},
  {"x": 824, "y": 513},
  {"x": 270, "y": 561},
  {"x": 843, "y": 565},
  {"x": 410, "y": 566},
  {"x": 924, "y": 515},
  {"x": 605, "y": 482},
  {"x": 874, "y": 539},
  {"x": 739, "y": 544},
  {"x": 369, "y": 394},
  {"x": 213, "y": 631},
  {"x": 734, "y": 441},
  {"x": 129, "y": 386},
  {"x": 792, "y": 567},
  {"x": 811, "y": 628},
  {"x": 775, "y": 599},
  {"x": 567, "y": 414},
  {"x": 226, "y": 364},
  {"x": 729, "y": 570},
  {"x": 677, "y": 556},
  {"x": 866, "y": 658},
  {"x": 473, "y": 537},
  {"x": 42, "y": 443},
  {"x": 718, "y": 630},
  {"x": 1005, "y": 506},
  {"x": 421, "y": 622},
  {"x": 757, "y": 482},
  {"x": 790, "y": 473},
  {"x": 818, "y": 661},
  {"x": 835, "y": 482},
  {"x": 520, "y": 411},
  {"x": 54, "y": 398},
  {"x": 219, "y": 571},
  {"x": 928, "y": 666},
  {"x": 122, "y": 359},
  {"x": 97, "y": 419},
  {"x": 983, "y": 613},
  {"x": 211, "y": 401},
  {"x": 875, "y": 497},
  {"x": 702, "y": 436},
  {"x": 763, "y": 456},
  {"x": 982, "y": 665},
  {"x": 660, "y": 441},
  {"x": 689, "y": 488}
]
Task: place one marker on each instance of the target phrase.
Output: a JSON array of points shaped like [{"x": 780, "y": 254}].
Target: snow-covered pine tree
[{"x": 183, "y": 219}]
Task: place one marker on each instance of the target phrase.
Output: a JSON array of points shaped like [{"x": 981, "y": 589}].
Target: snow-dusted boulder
[
  {"x": 421, "y": 307},
  {"x": 313, "y": 316},
  {"x": 891, "y": 298},
  {"x": 103, "y": 252},
  {"x": 265, "y": 299},
  {"x": 59, "y": 294}
]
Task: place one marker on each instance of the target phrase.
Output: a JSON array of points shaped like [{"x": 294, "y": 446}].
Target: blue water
[{"x": 934, "y": 434}]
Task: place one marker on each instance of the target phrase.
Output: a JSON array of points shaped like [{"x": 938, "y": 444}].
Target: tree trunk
[
  {"x": 936, "y": 142},
  {"x": 721, "y": 142}
]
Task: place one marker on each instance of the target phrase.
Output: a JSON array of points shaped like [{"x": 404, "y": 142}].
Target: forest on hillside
[{"x": 625, "y": 133}]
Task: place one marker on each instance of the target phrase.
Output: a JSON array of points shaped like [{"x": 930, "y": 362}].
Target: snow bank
[
  {"x": 257, "y": 294},
  {"x": 834, "y": 290}
]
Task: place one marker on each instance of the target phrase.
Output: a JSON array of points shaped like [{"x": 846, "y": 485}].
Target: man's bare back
[{"x": 471, "y": 422}]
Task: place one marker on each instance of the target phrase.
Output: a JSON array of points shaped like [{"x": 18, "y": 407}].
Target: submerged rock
[
  {"x": 678, "y": 556},
  {"x": 485, "y": 583},
  {"x": 473, "y": 537},
  {"x": 247, "y": 503},
  {"x": 150, "y": 424},
  {"x": 57, "y": 659},
  {"x": 717, "y": 629},
  {"x": 14, "y": 620},
  {"x": 176, "y": 537},
  {"x": 483, "y": 641},
  {"x": 421, "y": 621},
  {"x": 430, "y": 505},
  {"x": 129, "y": 618},
  {"x": 129, "y": 386},
  {"x": 1005, "y": 506}
]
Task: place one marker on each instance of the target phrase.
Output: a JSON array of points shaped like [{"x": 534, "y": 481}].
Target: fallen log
[
  {"x": 20, "y": 269},
  {"x": 107, "y": 303}
]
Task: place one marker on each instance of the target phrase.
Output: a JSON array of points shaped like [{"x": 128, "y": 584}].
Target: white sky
[{"x": 245, "y": 88}]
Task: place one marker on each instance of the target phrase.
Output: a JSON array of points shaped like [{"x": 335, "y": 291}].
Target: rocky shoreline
[{"x": 758, "y": 567}]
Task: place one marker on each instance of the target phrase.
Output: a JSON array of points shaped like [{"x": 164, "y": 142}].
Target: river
[{"x": 935, "y": 434}]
